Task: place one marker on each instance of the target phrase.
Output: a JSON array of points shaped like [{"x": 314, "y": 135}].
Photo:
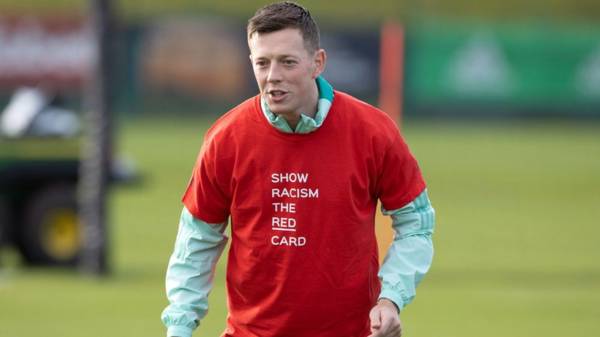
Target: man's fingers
[
  {"x": 390, "y": 324},
  {"x": 395, "y": 332},
  {"x": 375, "y": 316},
  {"x": 375, "y": 333},
  {"x": 386, "y": 323}
]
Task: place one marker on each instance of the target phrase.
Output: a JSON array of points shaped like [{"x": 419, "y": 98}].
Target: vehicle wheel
[{"x": 52, "y": 231}]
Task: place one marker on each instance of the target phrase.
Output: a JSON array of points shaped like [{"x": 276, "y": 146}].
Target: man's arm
[
  {"x": 190, "y": 273},
  {"x": 408, "y": 259}
]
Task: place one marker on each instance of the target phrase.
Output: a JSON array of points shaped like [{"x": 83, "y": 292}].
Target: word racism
[
  {"x": 284, "y": 224},
  {"x": 278, "y": 178},
  {"x": 294, "y": 193}
]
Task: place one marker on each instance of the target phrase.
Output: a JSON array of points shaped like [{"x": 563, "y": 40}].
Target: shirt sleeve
[
  {"x": 206, "y": 196},
  {"x": 190, "y": 273},
  {"x": 409, "y": 257},
  {"x": 400, "y": 180}
]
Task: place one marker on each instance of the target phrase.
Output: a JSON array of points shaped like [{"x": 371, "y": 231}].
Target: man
[{"x": 299, "y": 169}]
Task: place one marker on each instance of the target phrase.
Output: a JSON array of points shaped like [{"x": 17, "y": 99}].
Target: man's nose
[{"x": 274, "y": 74}]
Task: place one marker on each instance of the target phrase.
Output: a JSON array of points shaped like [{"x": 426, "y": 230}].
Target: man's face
[{"x": 286, "y": 71}]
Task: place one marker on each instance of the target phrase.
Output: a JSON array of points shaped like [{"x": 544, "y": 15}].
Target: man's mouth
[{"x": 276, "y": 93}]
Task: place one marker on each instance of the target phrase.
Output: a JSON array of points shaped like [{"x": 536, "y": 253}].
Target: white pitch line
[{"x": 284, "y": 229}]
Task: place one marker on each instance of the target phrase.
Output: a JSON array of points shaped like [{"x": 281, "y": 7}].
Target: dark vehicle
[{"x": 39, "y": 170}]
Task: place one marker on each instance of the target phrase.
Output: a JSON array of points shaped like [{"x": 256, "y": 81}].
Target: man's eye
[
  {"x": 289, "y": 62},
  {"x": 261, "y": 63}
]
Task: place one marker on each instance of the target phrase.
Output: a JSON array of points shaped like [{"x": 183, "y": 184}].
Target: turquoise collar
[{"x": 306, "y": 123}]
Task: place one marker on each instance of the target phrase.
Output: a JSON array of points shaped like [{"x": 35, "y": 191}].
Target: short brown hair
[{"x": 282, "y": 15}]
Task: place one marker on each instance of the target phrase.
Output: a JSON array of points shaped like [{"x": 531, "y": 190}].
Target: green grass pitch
[{"x": 517, "y": 250}]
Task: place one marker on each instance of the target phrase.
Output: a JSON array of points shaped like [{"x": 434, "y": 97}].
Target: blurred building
[{"x": 198, "y": 63}]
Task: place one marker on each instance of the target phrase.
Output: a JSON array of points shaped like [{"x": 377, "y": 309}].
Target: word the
[{"x": 288, "y": 207}]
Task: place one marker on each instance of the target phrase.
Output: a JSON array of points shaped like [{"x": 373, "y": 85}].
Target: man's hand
[{"x": 385, "y": 321}]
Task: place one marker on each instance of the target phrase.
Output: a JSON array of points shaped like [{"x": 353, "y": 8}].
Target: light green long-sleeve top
[{"x": 199, "y": 245}]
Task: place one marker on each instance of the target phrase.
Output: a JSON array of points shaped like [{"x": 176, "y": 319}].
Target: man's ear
[{"x": 320, "y": 61}]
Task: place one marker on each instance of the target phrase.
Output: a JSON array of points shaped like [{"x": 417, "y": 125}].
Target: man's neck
[{"x": 294, "y": 118}]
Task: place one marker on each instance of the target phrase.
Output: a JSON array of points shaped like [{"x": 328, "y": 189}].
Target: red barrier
[{"x": 392, "y": 70}]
